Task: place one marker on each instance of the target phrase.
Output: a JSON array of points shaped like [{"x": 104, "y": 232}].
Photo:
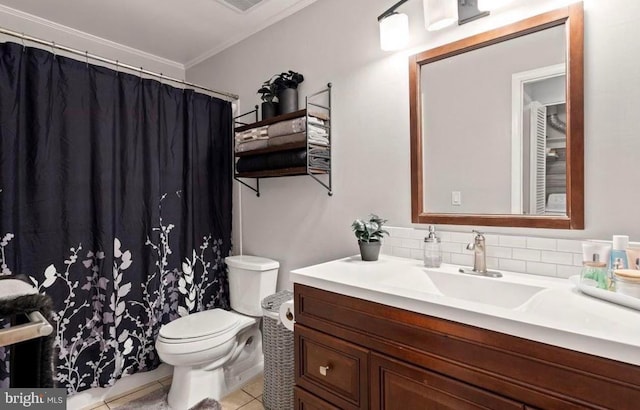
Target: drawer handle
[{"x": 325, "y": 369}]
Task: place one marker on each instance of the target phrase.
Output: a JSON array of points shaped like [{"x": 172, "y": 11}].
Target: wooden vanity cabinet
[{"x": 355, "y": 354}]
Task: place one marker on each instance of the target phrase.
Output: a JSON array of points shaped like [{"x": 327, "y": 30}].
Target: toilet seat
[
  {"x": 200, "y": 325},
  {"x": 201, "y": 331}
]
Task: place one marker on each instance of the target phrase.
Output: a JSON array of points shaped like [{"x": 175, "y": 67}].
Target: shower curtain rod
[{"x": 116, "y": 63}]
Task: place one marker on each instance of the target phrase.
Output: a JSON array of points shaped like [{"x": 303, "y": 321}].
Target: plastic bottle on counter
[
  {"x": 432, "y": 251},
  {"x": 618, "y": 252}
]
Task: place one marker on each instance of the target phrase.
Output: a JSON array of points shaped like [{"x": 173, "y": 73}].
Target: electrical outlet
[{"x": 456, "y": 198}]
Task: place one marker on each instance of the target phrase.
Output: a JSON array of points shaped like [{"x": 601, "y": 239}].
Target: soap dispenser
[{"x": 432, "y": 251}]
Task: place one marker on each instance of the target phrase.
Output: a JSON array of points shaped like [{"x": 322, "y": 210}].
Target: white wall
[
  {"x": 295, "y": 222},
  {"x": 46, "y": 30}
]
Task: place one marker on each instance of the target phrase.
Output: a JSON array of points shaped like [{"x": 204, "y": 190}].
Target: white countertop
[{"x": 556, "y": 314}]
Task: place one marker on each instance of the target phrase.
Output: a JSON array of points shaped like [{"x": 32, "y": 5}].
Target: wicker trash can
[{"x": 277, "y": 346}]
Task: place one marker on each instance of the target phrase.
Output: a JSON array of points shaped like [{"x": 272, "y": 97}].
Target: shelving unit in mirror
[{"x": 298, "y": 143}]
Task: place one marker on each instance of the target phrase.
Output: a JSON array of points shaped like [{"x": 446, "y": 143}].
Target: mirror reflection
[{"x": 494, "y": 128}]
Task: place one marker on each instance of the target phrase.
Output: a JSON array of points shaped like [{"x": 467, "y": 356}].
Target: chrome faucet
[{"x": 479, "y": 248}]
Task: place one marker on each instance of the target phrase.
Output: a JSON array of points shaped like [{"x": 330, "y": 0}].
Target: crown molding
[
  {"x": 247, "y": 33},
  {"x": 77, "y": 33}
]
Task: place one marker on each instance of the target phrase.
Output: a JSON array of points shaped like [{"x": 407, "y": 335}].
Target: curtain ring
[
  {"x": 24, "y": 47},
  {"x": 141, "y": 74},
  {"x": 117, "y": 68},
  {"x": 53, "y": 48},
  {"x": 86, "y": 56}
]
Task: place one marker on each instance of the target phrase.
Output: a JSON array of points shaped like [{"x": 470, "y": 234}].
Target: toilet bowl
[{"x": 201, "y": 345}]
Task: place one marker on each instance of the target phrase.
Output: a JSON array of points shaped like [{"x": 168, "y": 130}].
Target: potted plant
[
  {"x": 268, "y": 92},
  {"x": 287, "y": 91},
  {"x": 369, "y": 234}
]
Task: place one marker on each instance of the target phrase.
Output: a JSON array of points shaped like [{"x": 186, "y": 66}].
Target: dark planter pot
[
  {"x": 369, "y": 251},
  {"x": 269, "y": 109},
  {"x": 288, "y": 100}
]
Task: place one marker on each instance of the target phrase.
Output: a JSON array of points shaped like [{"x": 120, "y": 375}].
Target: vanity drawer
[
  {"x": 332, "y": 369},
  {"x": 307, "y": 401}
]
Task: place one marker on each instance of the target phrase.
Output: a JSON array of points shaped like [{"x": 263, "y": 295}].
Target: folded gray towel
[
  {"x": 251, "y": 145},
  {"x": 256, "y": 133},
  {"x": 319, "y": 163},
  {"x": 286, "y": 139},
  {"x": 293, "y": 126}
]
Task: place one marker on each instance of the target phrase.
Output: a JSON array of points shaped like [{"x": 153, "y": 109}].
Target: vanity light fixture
[
  {"x": 394, "y": 28},
  {"x": 438, "y": 14},
  {"x": 394, "y": 31}
]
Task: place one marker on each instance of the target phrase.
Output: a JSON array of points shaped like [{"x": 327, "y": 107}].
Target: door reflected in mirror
[{"x": 539, "y": 142}]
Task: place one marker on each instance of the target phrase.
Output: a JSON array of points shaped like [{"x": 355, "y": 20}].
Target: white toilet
[{"x": 200, "y": 346}]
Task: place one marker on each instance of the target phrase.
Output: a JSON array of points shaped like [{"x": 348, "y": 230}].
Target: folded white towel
[
  {"x": 319, "y": 140},
  {"x": 315, "y": 120}
]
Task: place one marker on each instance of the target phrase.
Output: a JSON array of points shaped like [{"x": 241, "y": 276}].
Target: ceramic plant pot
[
  {"x": 288, "y": 100},
  {"x": 369, "y": 251},
  {"x": 269, "y": 109}
]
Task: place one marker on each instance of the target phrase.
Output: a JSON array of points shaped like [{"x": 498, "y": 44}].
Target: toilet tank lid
[{"x": 251, "y": 262}]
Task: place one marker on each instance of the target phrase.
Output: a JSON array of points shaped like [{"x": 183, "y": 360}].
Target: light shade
[
  {"x": 439, "y": 14},
  {"x": 488, "y": 5},
  {"x": 394, "y": 32}
]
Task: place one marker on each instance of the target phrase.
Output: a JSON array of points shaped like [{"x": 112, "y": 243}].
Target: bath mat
[{"x": 157, "y": 400}]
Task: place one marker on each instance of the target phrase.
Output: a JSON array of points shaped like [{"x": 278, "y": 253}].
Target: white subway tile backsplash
[
  {"x": 568, "y": 271},
  {"x": 461, "y": 237},
  {"x": 419, "y": 234},
  {"x": 542, "y": 243},
  {"x": 492, "y": 240},
  {"x": 451, "y": 247},
  {"x": 401, "y": 232},
  {"x": 411, "y": 243},
  {"x": 537, "y": 268},
  {"x": 417, "y": 254},
  {"x": 561, "y": 258},
  {"x": 526, "y": 255},
  {"x": 513, "y": 241},
  {"x": 512, "y": 265},
  {"x": 445, "y": 236},
  {"x": 459, "y": 259},
  {"x": 499, "y": 251},
  {"x": 492, "y": 263},
  {"x": 566, "y": 245},
  {"x": 535, "y": 255},
  {"x": 402, "y": 252},
  {"x": 392, "y": 241},
  {"x": 577, "y": 259}
]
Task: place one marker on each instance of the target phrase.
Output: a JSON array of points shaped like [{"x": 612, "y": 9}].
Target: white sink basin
[
  {"x": 497, "y": 292},
  {"x": 490, "y": 291}
]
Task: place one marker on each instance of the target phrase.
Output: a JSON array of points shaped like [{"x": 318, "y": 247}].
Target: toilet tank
[{"x": 251, "y": 279}]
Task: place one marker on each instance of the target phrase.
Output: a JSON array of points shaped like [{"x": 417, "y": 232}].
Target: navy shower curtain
[{"x": 115, "y": 199}]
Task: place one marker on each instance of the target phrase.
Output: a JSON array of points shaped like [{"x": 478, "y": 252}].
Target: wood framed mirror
[{"x": 497, "y": 126}]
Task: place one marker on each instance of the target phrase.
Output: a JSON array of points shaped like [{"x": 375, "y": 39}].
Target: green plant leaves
[{"x": 369, "y": 230}]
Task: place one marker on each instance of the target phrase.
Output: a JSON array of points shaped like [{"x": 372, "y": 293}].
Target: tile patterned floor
[{"x": 248, "y": 397}]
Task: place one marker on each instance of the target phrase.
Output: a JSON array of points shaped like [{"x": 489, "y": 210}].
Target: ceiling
[{"x": 183, "y": 31}]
